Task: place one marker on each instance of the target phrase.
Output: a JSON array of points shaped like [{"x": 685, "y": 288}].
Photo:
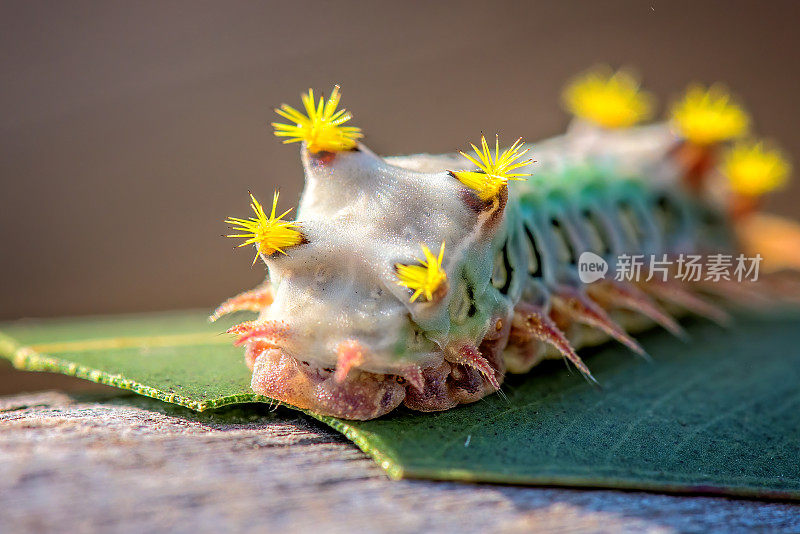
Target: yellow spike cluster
[
  {"x": 495, "y": 169},
  {"x": 321, "y": 127},
  {"x": 753, "y": 170},
  {"x": 708, "y": 116},
  {"x": 269, "y": 234},
  {"x": 424, "y": 279},
  {"x": 609, "y": 99}
]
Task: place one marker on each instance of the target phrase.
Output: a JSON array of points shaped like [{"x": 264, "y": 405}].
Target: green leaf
[
  {"x": 720, "y": 414},
  {"x": 176, "y": 357}
]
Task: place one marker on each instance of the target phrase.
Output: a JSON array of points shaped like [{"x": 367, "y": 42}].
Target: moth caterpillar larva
[{"x": 421, "y": 280}]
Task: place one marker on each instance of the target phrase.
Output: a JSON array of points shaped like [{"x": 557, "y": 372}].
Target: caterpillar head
[{"x": 384, "y": 271}]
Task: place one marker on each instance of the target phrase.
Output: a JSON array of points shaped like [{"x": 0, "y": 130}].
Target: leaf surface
[
  {"x": 720, "y": 414},
  {"x": 176, "y": 357}
]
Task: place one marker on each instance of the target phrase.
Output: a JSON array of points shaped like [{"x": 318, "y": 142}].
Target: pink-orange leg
[
  {"x": 259, "y": 331},
  {"x": 583, "y": 310},
  {"x": 677, "y": 294},
  {"x": 254, "y": 300},
  {"x": 349, "y": 354},
  {"x": 537, "y": 324},
  {"x": 621, "y": 295},
  {"x": 469, "y": 355}
]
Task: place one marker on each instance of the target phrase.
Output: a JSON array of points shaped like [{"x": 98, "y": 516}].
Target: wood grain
[{"x": 80, "y": 463}]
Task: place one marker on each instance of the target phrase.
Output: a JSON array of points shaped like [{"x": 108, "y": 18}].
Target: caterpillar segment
[{"x": 422, "y": 280}]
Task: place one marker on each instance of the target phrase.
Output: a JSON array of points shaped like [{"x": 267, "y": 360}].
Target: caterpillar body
[{"x": 353, "y": 323}]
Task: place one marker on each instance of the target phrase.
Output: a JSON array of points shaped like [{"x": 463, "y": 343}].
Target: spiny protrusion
[
  {"x": 321, "y": 127},
  {"x": 583, "y": 310},
  {"x": 259, "y": 331},
  {"x": 254, "y": 300},
  {"x": 469, "y": 355},
  {"x": 748, "y": 294},
  {"x": 242, "y": 328},
  {"x": 709, "y": 116},
  {"x": 615, "y": 294},
  {"x": 607, "y": 98},
  {"x": 269, "y": 234},
  {"x": 428, "y": 278},
  {"x": 770, "y": 290},
  {"x": 781, "y": 286},
  {"x": 495, "y": 169},
  {"x": 349, "y": 354},
  {"x": 753, "y": 170},
  {"x": 674, "y": 293},
  {"x": 535, "y": 323},
  {"x": 414, "y": 375}
]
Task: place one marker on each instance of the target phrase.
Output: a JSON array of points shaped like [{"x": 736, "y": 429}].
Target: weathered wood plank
[{"x": 131, "y": 464}]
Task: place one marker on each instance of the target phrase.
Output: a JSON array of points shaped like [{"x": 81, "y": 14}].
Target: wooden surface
[{"x": 81, "y": 463}]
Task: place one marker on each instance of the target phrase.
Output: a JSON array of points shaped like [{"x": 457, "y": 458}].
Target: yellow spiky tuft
[
  {"x": 495, "y": 169},
  {"x": 709, "y": 116},
  {"x": 321, "y": 127},
  {"x": 753, "y": 170},
  {"x": 424, "y": 279},
  {"x": 269, "y": 234},
  {"x": 609, "y": 99}
]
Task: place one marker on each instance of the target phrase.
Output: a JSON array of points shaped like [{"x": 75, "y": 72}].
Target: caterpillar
[{"x": 422, "y": 280}]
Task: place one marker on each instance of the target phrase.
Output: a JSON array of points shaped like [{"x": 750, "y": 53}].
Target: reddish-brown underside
[{"x": 512, "y": 344}]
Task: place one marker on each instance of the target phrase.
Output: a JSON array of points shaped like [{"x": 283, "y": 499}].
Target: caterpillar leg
[
  {"x": 257, "y": 336},
  {"x": 254, "y": 300},
  {"x": 350, "y": 354},
  {"x": 436, "y": 394},
  {"x": 612, "y": 294},
  {"x": 573, "y": 306},
  {"x": 783, "y": 284},
  {"x": 468, "y": 373},
  {"x": 684, "y": 297},
  {"x": 531, "y": 329},
  {"x": 772, "y": 290},
  {"x": 264, "y": 331}
]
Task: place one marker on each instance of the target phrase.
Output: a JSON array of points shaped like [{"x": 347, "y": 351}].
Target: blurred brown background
[{"x": 130, "y": 130}]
